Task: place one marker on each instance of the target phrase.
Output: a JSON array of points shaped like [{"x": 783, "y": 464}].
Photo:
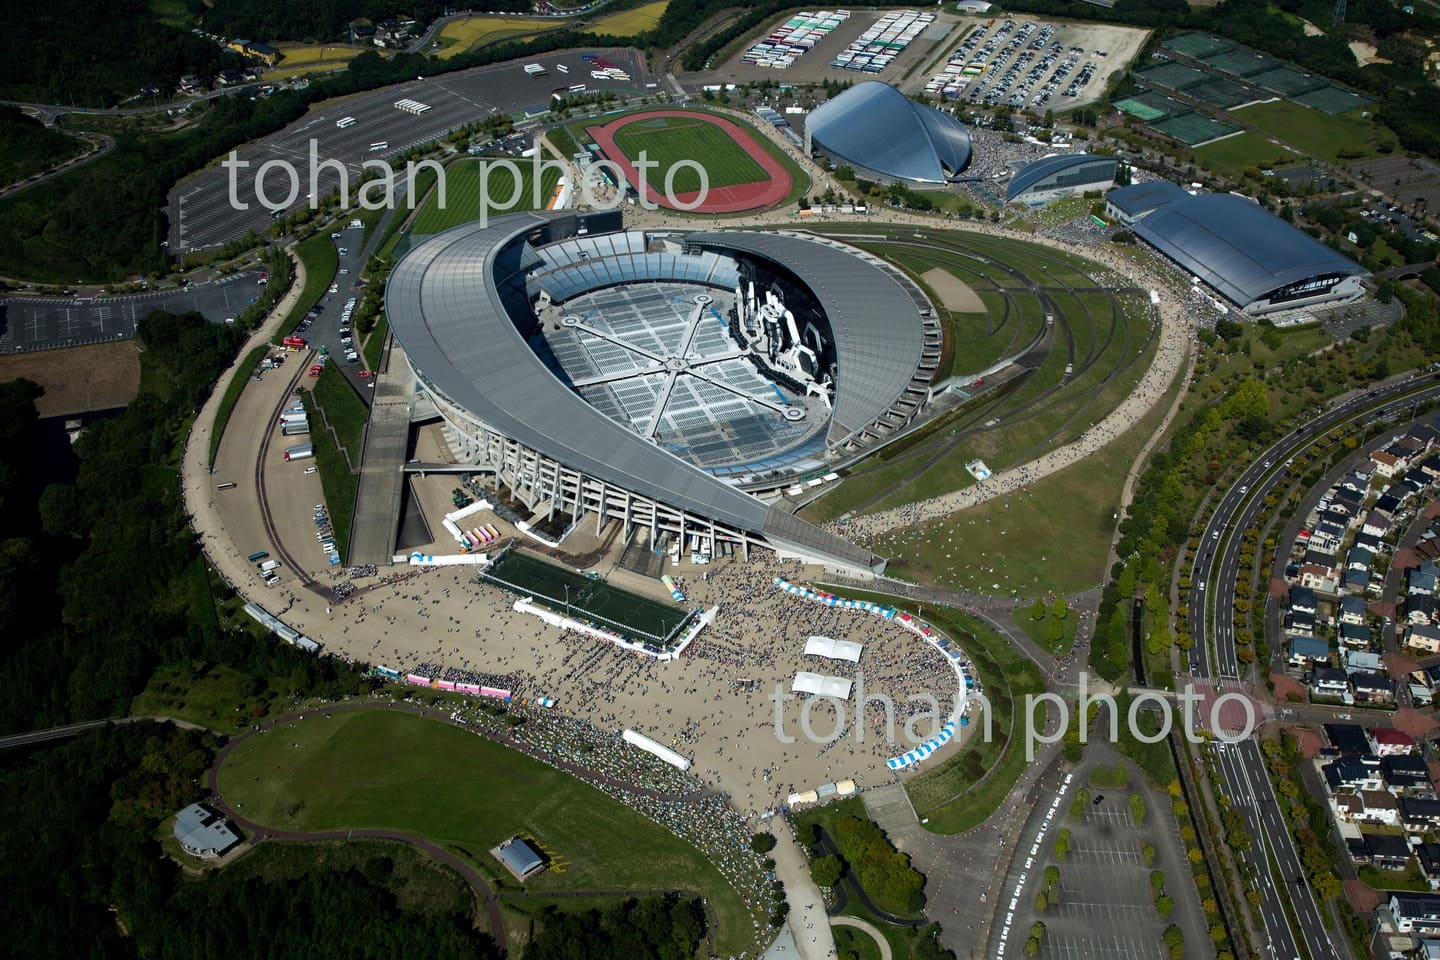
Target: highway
[{"x": 1247, "y": 783}]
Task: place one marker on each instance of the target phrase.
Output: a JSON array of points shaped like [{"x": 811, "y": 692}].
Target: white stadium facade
[{"x": 672, "y": 382}]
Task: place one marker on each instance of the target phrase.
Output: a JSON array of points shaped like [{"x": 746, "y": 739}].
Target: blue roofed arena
[
  {"x": 1236, "y": 247},
  {"x": 1064, "y": 175},
  {"x": 885, "y": 136}
]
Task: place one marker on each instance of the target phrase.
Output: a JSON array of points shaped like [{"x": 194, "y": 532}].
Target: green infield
[
  {"x": 668, "y": 140},
  {"x": 380, "y": 769},
  {"x": 587, "y": 597},
  {"x": 463, "y": 193}
]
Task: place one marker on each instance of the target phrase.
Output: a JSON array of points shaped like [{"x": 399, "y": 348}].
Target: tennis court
[
  {"x": 1176, "y": 76},
  {"x": 1333, "y": 100},
  {"x": 1288, "y": 82},
  {"x": 1149, "y": 106},
  {"x": 1222, "y": 93},
  {"x": 1197, "y": 45},
  {"x": 1240, "y": 63},
  {"x": 586, "y": 598},
  {"x": 1193, "y": 128}
]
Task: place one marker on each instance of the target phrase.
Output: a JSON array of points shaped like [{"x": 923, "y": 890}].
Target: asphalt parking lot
[
  {"x": 45, "y": 323},
  {"x": 201, "y": 211}
]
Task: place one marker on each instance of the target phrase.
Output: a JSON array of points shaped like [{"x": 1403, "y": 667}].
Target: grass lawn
[
  {"x": 627, "y": 23},
  {"x": 232, "y": 397},
  {"x": 458, "y": 36},
  {"x": 1039, "y": 630},
  {"x": 214, "y": 696},
  {"x": 298, "y": 58},
  {"x": 375, "y": 343},
  {"x": 321, "y": 259},
  {"x": 1231, "y": 156},
  {"x": 346, "y": 413},
  {"x": 1052, "y": 537},
  {"x": 858, "y": 944},
  {"x": 463, "y": 183},
  {"x": 1319, "y": 133},
  {"x": 381, "y": 769},
  {"x": 669, "y": 140}
]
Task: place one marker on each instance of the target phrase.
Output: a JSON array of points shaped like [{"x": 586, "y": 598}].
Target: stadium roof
[
  {"x": 875, "y": 126},
  {"x": 446, "y": 312},
  {"x": 879, "y": 338},
  {"x": 1237, "y": 246},
  {"x": 1032, "y": 173},
  {"x": 1141, "y": 198}
]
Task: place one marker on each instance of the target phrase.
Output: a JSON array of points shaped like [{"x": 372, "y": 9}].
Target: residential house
[
  {"x": 1430, "y": 467},
  {"x": 1407, "y": 774},
  {"x": 1350, "y": 739},
  {"x": 1419, "y": 814},
  {"x": 1386, "y": 463},
  {"x": 1317, "y": 578},
  {"x": 1355, "y": 635},
  {"x": 1302, "y": 600},
  {"x": 1376, "y": 523},
  {"x": 1361, "y": 660},
  {"x": 1372, "y": 687},
  {"x": 1421, "y": 580},
  {"x": 1415, "y": 912},
  {"x": 1424, "y": 637},
  {"x": 1374, "y": 544},
  {"x": 1352, "y": 610},
  {"x": 1300, "y": 624},
  {"x": 1390, "y": 742},
  {"x": 1379, "y": 806},
  {"x": 1420, "y": 609},
  {"x": 1308, "y": 651},
  {"x": 1386, "y": 851},
  {"x": 1329, "y": 682},
  {"x": 1428, "y": 854},
  {"x": 1351, "y": 774}
]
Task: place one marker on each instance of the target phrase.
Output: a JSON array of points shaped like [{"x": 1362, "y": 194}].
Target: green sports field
[
  {"x": 386, "y": 770},
  {"x": 587, "y": 597},
  {"x": 462, "y": 192},
  {"x": 667, "y": 140}
]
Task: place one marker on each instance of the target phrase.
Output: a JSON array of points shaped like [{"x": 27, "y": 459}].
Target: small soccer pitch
[
  {"x": 742, "y": 174},
  {"x": 588, "y": 598}
]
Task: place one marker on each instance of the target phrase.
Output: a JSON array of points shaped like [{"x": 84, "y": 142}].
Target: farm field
[
  {"x": 459, "y": 36},
  {"x": 667, "y": 140},
  {"x": 627, "y": 23},
  {"x": 387, "y": 770},
  {"x": 300, "y": 58},
  {"x": 462, "y": 193},
  {"x": 1319, "y": 133}
]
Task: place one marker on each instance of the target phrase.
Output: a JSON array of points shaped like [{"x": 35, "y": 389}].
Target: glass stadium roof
[{"x": 875, "y": 126}]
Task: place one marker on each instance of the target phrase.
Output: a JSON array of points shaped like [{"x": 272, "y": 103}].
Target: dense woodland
[{"x": 652, "y": 929}]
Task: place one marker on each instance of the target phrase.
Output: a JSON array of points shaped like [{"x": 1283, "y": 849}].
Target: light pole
[{"x": 567, "y": 598}]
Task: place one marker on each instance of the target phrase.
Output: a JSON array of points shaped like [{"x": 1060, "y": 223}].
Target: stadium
[
  {"x": 885, "y": 136},
  {"x": 1055, "y": 177},
  {"x": 665, "y": 380},
  {"x": 1236, "y": 247}
]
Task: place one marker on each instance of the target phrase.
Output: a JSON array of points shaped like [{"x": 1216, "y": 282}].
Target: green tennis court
[
  {"x": 1193, "y": 128},
  {"x": 1334, "y": 100},
  {"x": 1197, "y": 45},
  {"x": 1176, "y": 76},
  {"x": 1240, "y": 63}
]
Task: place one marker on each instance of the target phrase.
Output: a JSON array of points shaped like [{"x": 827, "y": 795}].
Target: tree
[
  {"x": 1058, "y": 610},
  {"x": 1137, "y": 808},
  {"x": 1037, "y": 611},
  {"x": 762, "y": 842},
  {"x": 826, "y": 871},
  {"x": 1147, "y": 854},
  {"x": 1042, "y": 902},
  {"x": 1163, "y": 906}
]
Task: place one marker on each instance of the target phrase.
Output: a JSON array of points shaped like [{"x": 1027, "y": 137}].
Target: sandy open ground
[
  {"x": 98, "y": 376},
  {"x": 954, "y": 293}
]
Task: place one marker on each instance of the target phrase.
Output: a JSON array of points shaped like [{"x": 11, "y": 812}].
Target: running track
[{"x": 746, "y": 196}]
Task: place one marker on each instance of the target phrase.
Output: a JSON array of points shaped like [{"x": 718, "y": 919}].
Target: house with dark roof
[
  {"x": 1386, "y": 851},
  {"x": 1421, "y": 580},
  {"x": 1307, "y": 651},
  {"x": 1406, "y": 773},
  {"x": 1419, "y": 814},
  {"x": 1355, "y": 635},
  {"x": 1415, "y": 912},
  {"x": 1350, "y": 739},
  {"x": 1428, "y": 855},
  {"x": 1424, "y": 637},
  {"x": 1329, "y": 682},
  {"x": 1372, "y": 687},
  {"x": 1376, "y": 523},
  {"x": 1349, "y": 774},
  {"x": 1302, "y": 624},
  {"x": 1420, "y": 608},
  {"x": 1302, "y": 600},
  {"x": 1352, "y": 610},
  {"x": 1374, "y": 544}
]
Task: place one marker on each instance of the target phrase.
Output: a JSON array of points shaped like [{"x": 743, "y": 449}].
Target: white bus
[
  {"x": 381, "y": 145},
  {"x": 344, "y": 122}
]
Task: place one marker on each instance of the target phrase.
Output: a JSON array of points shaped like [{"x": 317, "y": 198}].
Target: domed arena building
[{"x": 887, "y": 137}]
